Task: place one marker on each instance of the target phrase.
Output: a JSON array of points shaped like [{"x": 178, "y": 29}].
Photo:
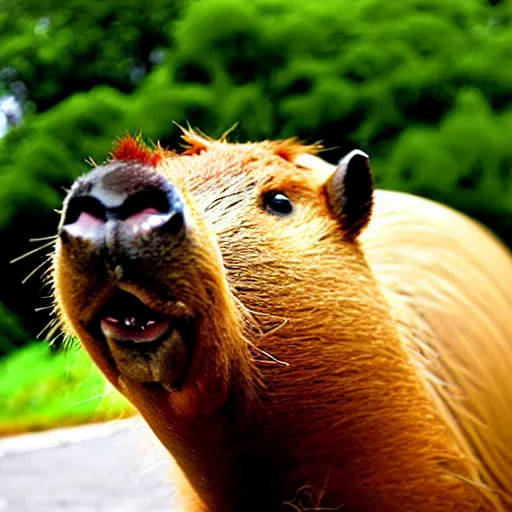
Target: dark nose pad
[{"x": 140, "y": 200}]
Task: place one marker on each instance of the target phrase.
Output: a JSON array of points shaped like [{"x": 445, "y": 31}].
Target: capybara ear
[{"x": 350, "y": 192}]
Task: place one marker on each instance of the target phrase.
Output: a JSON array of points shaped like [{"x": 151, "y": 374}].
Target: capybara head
[
  {"x": 223, "y": 290},
  {"x": 171, "y": 267}
]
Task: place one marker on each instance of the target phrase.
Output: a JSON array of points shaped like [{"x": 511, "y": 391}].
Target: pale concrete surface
[{"x": 114, "y": 467}]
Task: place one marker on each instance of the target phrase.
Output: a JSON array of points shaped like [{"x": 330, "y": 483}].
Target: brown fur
[{"x": 330, "y": 373}]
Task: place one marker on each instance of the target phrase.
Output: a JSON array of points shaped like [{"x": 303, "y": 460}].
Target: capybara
[{"x": 296, "y": 340}]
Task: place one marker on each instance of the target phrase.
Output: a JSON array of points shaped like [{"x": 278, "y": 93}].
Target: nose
[{"x": 136, "y": 198}]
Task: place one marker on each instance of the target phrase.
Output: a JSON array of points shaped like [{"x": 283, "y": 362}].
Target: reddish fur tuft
[
  {"x": 130, "y": 149},
  {"x": 196, "y": 142}
]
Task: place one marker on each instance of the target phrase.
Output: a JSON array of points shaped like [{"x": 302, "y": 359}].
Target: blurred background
[{"x": 423, "y": 86}]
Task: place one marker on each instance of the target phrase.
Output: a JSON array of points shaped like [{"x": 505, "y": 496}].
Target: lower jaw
[{"x": 164, "y": 361}]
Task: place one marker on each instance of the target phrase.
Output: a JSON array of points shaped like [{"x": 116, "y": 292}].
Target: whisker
[
  {"x": 46, "y": 274},
  {"x": 44, "y": 238},
  {"x": 70, "y": 342},
  {"x": 47, "y": 297},
  {"x": 47, "y": 286},
  {"x": 33, "y": 251},
  {"x": 51, "y": 338},
  {"x": 39, "y": 267},
  {"x": 47, "y": 327},
  {"x": 272, "y": 358},
  {"x": 88, "y": 400},
  {"x": 44, "y": 308}
]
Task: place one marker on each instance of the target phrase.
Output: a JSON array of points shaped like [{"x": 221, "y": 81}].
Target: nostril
[
  {"x": 84, "y": 205},
  {"x": 175, "y": 223},
  {"x": 144, "y": 201},
  {"x": 84, "y": 218},
  {"x": 150, "y": 209}
]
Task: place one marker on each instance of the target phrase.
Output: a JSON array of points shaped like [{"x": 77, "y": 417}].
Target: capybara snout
[{"x": 124, "y": 201}]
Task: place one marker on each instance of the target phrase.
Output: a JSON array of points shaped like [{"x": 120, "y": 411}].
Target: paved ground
[{"x": 115, "y": 467}]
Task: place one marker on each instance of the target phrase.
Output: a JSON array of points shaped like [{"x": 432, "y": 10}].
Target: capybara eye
[{"x": 278, "y": 203}]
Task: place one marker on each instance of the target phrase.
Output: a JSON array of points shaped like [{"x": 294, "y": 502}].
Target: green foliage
[
  {"x": 424, "y": 86},
  {"x": 58, "y": 48},
  {"x": 468, "y": 152},
  {"x": 40, "y": 389},
  {"x": 12, "y": 332}
]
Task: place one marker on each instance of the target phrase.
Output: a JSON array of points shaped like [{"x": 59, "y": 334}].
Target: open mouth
[
  {"x": 125, "y": 319},
  {"x": 146, "y": 345}
]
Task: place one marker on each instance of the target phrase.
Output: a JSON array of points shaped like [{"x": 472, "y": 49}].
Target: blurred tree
[
  {"x": 12, "y": 333},
  {"x": 56, "y": 49},
  {"x": 424, "y": 86}
]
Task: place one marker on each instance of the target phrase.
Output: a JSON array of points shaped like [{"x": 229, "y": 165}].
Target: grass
[{"x": 40, "y": 390}]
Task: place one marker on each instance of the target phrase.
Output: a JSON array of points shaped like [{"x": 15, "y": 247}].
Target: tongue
[{"x": 129, "y": 329}]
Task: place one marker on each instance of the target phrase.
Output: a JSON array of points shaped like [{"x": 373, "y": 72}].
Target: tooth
[{"x": 130, "y": 322}]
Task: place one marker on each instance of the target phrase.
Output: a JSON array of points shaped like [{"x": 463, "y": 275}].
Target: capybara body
[{"x": 296, "y": 340}]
